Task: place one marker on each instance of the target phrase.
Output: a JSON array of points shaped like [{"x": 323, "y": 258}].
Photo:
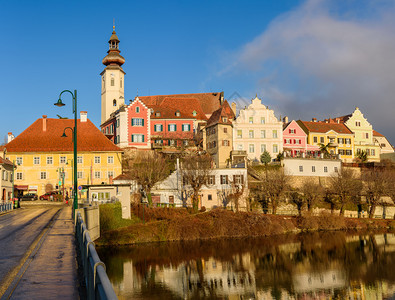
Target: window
[
  {"x": 340, "y": 140},
  {"x": 19, "y": 161},
  {"x": 292, "y": 131},
  {"x": 97, "y": 159},
  {"x": 274, "y": 134},
  {"x": 315, "y": 139},
  {"x": 251, "y": 148},
  {"x": 358, "y": 123},
  {"x": 120, "y": 83},
  {"x": 224, "y": 119},
  {"x": 372, "y": 152},
  {"x": 137, "y": 109},
  {"x": 117, "y": 139},
  {"x": 322, "y": 140},
  {"x": 238, "y": 179},
  {"x": 79, "y": 159},
  {"x": 209, "y": 197},
  {"x": 275, "y": 148},
  {"x": 49, "y": 160},
  {"x": 157, "y": 114},
  {"x": 110, "y": 174},
  {"x": 194, "y": 113},
  {"x": 331, "y": 140},
  {"x": 97, "y": 174},
  {"x": 263, "y": 148},
  {"x": 117, "y": 123},
  {"x": 110, "y": 159},
  {"x": 366, "y": 135},
  {"x": 225, "y": 143},
  {"x": 224, "y": 179},
  {"x": 112, "y": 81},
  {"x": 186, "y": 127},
  {"x": 137, "y": 138},
  {"x": 178, "y": 113},
  {"x": 19, "y": 176},
  {"x": 239, "y": 147},
  {"x": 251, "y": 134},
  {"x": 137, "y": 122},
  {"x": 36, "y": 160},
  {"x": 211, "y": 179},
  {"x": 251, "y": 120},
  {"x": 239, "y": 134},
  {"x": 348, "y": 152},
  {"x": 114, "y": 102},
  {"x": 335, "y": 169},
  {"x": 262, "y": 120},
  {"x": 185, "y": 142},
  {"x": 348, "y": 141},
  {"x": 80, "y": 175},
  {"x": 158, "y": 127},
  {"x": 326, "y": 169},
  {"x": 300, "y": 168},
  {"x": 43, "y": 175},
  {"x": 287, "y": 141},
  {"x": 172, "y": 127},
  {"x": 263, "y": 134},
  {"x": 225, "y": 130},
  {"x": 313, "y": 169}
]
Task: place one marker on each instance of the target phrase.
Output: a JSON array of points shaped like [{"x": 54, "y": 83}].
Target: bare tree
[
  {"x": 312, "y": 192},
  {"x": 344, "y": 184},
  {"x": 274, "y": 184},
  {"x": 297, "y": 199},
  {"x": 375, "y": 187},
  {"x": 147, "y": 168},
  {"x": 195, "y": 171},
  {"x": 232, "y": 194}
]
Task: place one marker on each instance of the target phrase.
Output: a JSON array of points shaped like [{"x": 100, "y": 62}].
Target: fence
[
  {"x": 6, "y": 206},
  {"x": 98, "y": 286}
]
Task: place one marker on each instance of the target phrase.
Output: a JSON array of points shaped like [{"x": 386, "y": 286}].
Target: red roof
[
  {"x": 223, "y": 111},
  {"x": 375, "y": 133},
  {"x": 35, "y": 139},
  {"x": 323, "y": 127},
  {"x": 209, "y": 102},
  {"x": 5, "y": 161},
  {"x": 185, "y": 106}
]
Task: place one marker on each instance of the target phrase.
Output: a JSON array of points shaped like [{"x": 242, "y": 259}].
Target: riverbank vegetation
[{"x": 179, "y": 224}]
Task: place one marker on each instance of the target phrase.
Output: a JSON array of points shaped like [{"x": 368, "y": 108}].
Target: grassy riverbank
[{"x": 169, "y": 224}]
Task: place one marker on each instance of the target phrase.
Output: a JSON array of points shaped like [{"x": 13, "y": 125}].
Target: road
[{"x": 23, "y": 242}]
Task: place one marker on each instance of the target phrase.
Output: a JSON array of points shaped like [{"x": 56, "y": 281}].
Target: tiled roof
[
  {"x": 209, "y": 102},
  {"x": 375, "y": 133},
  {"x": 5, "y": 161},
  {"x": 223, "y": 111},
  {"x": 186, "y": 106},
  {"x": 35, "y": 139},
  {"x": 323, "y": 127}
]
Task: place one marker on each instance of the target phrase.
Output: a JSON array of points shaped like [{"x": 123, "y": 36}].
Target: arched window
[{"x": 114, "y": 102}]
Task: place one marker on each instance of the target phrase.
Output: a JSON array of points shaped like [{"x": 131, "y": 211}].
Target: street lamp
[{"x": 60, "y": 104}]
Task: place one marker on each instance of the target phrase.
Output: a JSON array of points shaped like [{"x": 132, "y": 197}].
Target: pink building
[
  {"x": 138, "y": 128},
  {"x": 295, "y": 141}
]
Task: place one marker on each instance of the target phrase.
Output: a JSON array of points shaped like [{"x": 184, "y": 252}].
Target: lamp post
[{"x": 60, "y": 104}]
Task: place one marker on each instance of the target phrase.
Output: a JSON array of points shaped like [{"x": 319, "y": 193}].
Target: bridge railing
[
  {"x": 6, "y": 206},
  {"x": 98, "y": 286}
]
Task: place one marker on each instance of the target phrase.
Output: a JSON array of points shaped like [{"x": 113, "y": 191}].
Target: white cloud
[{"x": 323, "y": 63}]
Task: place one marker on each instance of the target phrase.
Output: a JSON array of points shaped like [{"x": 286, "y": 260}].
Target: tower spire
[{"x": 113, "y": 57}]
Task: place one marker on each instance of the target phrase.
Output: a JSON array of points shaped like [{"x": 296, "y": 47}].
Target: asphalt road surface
[{"x": 22, "y": 233}]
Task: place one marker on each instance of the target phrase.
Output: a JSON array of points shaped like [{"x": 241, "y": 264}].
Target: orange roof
[
  {"x": 35, "y": 139},
  {"x": 375, "y": 133},
  {"x": 223, "y": 111},
  {"x": 323, "y": 127},
  {"x": 209, "y": 102}
]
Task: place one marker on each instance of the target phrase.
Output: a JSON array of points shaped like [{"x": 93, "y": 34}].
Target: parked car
[
  {"x": 47, "y": 196},
  {"x": 29, "y": 197}
]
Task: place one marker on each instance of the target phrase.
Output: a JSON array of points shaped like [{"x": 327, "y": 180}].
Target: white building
[
  {"x": 311, "y": 166},
  {"x": 256, "y": 130}
]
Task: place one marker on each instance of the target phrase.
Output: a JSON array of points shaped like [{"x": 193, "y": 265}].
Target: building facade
[
  {"x": 45, "y": 158},
  {"x": 5, "y": 179},
  {"x": 256, "y": 130},
  {"x": 295, "y": 141}
]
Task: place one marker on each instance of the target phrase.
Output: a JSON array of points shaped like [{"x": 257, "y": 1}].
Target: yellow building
[
  {"x": 337, "y": 136},
  {"x": 42, "y": 156}
]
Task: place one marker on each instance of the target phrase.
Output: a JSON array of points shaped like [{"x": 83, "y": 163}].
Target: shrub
[{"x": 111, "y": 217}]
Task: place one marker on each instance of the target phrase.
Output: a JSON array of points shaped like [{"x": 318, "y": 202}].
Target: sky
[{"x": 303, "y": 58}]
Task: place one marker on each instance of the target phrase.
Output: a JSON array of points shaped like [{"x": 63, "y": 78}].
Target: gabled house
[
  {"x": 6, "y": 179},
  {"x": 295, "y": 141},
  {"x": 385, "y": 146},
  {"x": 218, "y": 135}
]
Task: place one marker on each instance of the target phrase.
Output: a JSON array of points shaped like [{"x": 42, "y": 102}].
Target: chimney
[
  {"x": 83, "y": 116},
  {"x": 10, "y": 137},
  {"x": 314, "y": 119},
  {"x": 233, "y": 105},
  {"x": 285, "y": 120},
  {"x": 44, "y": 123}
]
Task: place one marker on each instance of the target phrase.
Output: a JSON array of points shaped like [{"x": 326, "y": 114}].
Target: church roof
[{"x": 36, "y": 139}]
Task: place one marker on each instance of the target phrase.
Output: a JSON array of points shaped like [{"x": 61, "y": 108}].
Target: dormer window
[
  {"x": 194, "y": 113},
  {"x": 178, "y": 113},
  {"x": 157, "y": 114},
  {"x": 224, "y": 119}
]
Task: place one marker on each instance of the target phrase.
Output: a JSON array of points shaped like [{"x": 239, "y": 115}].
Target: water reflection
[{"x": 313, "y": 266}]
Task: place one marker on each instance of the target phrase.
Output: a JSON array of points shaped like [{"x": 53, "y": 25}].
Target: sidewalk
[{"x": 52, "y": 274}]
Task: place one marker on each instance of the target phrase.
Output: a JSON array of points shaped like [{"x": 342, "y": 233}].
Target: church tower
[{"x": 112, "y": 79}]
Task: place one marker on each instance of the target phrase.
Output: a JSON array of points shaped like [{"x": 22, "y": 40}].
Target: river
[{"x": 331, "y": 265}]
